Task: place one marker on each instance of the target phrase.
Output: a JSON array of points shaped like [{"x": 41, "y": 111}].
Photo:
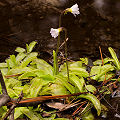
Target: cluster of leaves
[{"x": 35, "y": 77}]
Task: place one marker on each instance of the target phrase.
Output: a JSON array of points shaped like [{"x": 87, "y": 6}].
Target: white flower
[
  {"x": 74, "y": 10},
  {"x": 55, "y": 32}
]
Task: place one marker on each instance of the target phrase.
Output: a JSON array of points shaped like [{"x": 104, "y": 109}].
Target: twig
[
  {"x": 78, "y": 109},
  {"x": 11, "y": 117},
  {"x": 63, "y": 43},
  {"x": 4, "y": 98},
  {"x": 9, "y": 76},
  {"x": 31, "y": 101},
  {"x": 10, "y": 111},
  {"x": 69, "y": 105},
  {"x": 4, "y": 90},
  {"x": 101, "y": 55},
  {"x": 84, "y": 112}
]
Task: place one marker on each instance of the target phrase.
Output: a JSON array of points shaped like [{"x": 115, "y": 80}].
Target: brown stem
[
  {"x": 11, "y": 117},
  {"x": 4, "y": 98},
  {"x": 29, "y": 101},
  {"x": 11, "y": 110},
  {"x": 101, "y": 55}
]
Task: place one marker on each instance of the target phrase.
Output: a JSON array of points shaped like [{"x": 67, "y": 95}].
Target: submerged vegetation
[{"x": 35, "y": 86}]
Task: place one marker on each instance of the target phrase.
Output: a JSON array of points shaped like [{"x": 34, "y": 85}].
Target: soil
[{"x": 26, "y": 20}]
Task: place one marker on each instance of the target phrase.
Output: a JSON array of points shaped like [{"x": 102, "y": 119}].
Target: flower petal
[
  {"x": 74, "y": 10},
  {"x": 54, "y": 32}
]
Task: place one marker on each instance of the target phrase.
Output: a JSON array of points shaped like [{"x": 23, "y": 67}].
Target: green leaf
[
  {"x": 94, "y": 100},
  {"x": 84, "y": 60},
  {"x": 89, "y": 116},
  {"x": 41, "y": 73},
  {"x": 20, "y": 57},
  {"x": 3, "y": 111},
  {"x": 97, "y": 62},
  {"x": 90, "y": 88},
  {"x": 30, "y": 114},
  {"x": 64, "y": 81},
  {"x": 76, "y": 64},
  {"x": 36, "y": 85},
  {"x": 79, "y": 71},
  {"x": 18, "y": 88},
  {"x": 12, "y": 93},
  {"x": 4, "y": 71},
  {"x": 14, "y": 82},
  {"x": 55, "y": 64},
  {"x": 30, "y": 57},
  {"x": 48, "y": 78},
  {"x": 44, "y": 66},
  {"x": 57, "y": 89},
  {"x": 17, "y": 113},
  {"x": 99, "y": 71},
  {"x": 3, "y": 65},
  {"x": 20, "y": 50},
  {"x": 114, "y": 56},
  {"x": 8, "y": 64},
  {"x": 26, "y": 90},
  {"x": 19, "y": 70},
  {"x": 11, "y": 62},
  {"x": 79, "y": 82},
  {"x": 107, "y": 76},
  {"x": 26, "y": 75},
  {"x": 30, "y": 46},
  {"x": 106, "y": 60}
]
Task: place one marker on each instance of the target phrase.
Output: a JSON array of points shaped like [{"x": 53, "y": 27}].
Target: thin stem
[
  {"x": 58, "y": 44},
  {"x": 101, "y": 55},
  {"x": 11, "y": 117},
  {"x": 11, "y": 110},
  {"x": 56, "y": 59},
  {"x": 66, "y": 52},
  {"x": 60, "y": 18},
  {"x": 43, "y": 98}
]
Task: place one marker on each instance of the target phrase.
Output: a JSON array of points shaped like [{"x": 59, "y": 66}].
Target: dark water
[{"x": 23, "y": 21}]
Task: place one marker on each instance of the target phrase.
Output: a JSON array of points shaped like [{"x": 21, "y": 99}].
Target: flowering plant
[
  {"x": 55, "y": 32},
  {"x": 74, "y": 10}
]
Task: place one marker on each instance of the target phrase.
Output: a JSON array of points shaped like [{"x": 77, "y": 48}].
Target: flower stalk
[{"x": 56, "y": 33}]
